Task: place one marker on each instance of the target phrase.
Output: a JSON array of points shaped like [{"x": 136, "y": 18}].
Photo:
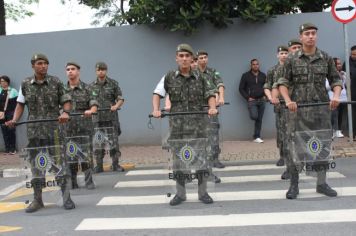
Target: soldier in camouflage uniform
[
  {"x": 108, "y": 94},
  {"x": 43, "y": 94},
  {"x": 294, "y": 45},
  {"x": 304, "y": 73},
  {"x": 188, "y": 90},
  {"x": 215, "y": 78},
  {"x": 84, "y": 102},
  {"x": 271, "y": 92}
]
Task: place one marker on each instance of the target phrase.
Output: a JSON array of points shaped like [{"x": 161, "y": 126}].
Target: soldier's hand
[
  {"x": 157, "y": 114},
  {"x": 114, "y": 108},
  {"x": 167, "y": 108},
  {"x": 221, "y": 101},
  {"x": 63, "y": 118},
  {"x": 10, "y": 123},
  {"x": 292, "y": 106},
  {"x": 88, "y": 113},
  {"x": 212, "y": 112},
  {"x": 334, "y": 103},
  {"x": 274, "y": 101}
]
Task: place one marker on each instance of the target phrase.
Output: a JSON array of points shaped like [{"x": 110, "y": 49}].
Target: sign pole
[{"x": 348, "y": 83}]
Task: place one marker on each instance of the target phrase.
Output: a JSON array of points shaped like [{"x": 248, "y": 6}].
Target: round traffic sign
[{"x": 344, "y": 11}]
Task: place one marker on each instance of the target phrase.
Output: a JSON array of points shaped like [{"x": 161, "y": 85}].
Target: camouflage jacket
[
  {"x": 43, "y": 101},
  {"x": 188, "y": 93},
  {"x": 215, "y": 77},
  {"x": 82, "y": 98},
  {"x": 273, "y": 74},
  {"x": 305, "y": 76},
  {"x": 106, "y": 94}
]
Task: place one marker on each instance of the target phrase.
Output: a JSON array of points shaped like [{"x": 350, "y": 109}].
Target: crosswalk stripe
[
  {"x": 236, "y": 179},
  {"x": 227, "y": 168},
  {"x": 221, "y": 196},
  {"x": 232, "y": 220}
]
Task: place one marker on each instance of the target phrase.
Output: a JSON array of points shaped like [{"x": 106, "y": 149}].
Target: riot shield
[
  {"x": 47, "y": 167},
  {"x": 311, "y": 147},
  {"x": 189, "y": 159},
  {"x": 79, "y": 157}
]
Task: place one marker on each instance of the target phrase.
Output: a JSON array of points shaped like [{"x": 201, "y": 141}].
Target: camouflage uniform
[
  {"x": 304, "y": 76},
  {"x": 108, "y": 93},
  {"x": 271, "y": 82},
  {"x": 82, "y": 100},
  {"x": 214, "y": 124},
  {"x": 43, "y": 100},
  {"x": 189, "y": 94}
]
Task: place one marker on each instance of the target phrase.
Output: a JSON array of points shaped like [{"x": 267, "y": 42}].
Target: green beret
[
  {"x": 71, "y": 63},
  {"x": 307, "y": 26},
  {"x": 294, "y": 42},
  {"x": 38, "y": 56},
  {"x": 185, "y": 48},
  {"x": 202, "y": 52},
  {"x": 101, "y": 65},
  {"x": 282, "y": 48}
]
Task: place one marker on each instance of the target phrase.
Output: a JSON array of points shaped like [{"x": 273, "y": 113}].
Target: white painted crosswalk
[
  {"x": 153, "y": 178},
  {"x": 233, "y": 220},
  {"x": 234, "y": 179}
]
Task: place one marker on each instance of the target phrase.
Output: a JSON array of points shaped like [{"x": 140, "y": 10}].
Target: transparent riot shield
[
  {"x": 189, "y": 159},
  {"x": 79, "y": 158},
  {"x": 104, "y": 143},
  {"x": 311, "y": 150},
  {"x": 45, "y": 168}
]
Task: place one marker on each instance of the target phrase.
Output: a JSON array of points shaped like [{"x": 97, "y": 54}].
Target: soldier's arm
[
  {"x": 283, "y": 84},
  {"x": 156, "y": 100},
  {"x": 119, "y": 101},
  {"x": 65, "y": 102},
  {"x": 335, "y": 83}
]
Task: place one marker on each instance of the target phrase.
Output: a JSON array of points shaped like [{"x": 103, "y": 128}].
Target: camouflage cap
[
  {"x": 185, "y": 48},
  {"x": 202, "y": 52},
  {"x": 71, "y": 63},
  {"x": 101, "y": 65},
  {"x": 307, "y": 26},
  {"x": 38, "y": 56},
  {"x": 294, "y": 42},
  {"x": 282, "y": 48}
]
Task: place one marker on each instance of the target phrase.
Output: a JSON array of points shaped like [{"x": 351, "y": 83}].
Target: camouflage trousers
[{"x": 280, "y": 114}]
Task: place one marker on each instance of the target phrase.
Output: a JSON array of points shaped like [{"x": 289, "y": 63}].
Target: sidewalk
[{"x": 232, "y": 151}]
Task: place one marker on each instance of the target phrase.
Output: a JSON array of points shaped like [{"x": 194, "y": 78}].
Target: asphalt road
[{"x": 249, "y": 201}]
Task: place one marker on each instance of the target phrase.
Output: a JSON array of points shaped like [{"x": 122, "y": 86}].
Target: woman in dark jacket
[{"x": 9, "y": 134}]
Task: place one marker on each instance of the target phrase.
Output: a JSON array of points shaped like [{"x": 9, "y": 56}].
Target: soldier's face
[
  {"x": 203, "y": 60},
  {"x": 353, "y": 54},
  {"x": 194, "y": 64},
  {"x": 40, "y": 67},
  {"x": 101, "y": 73},
  {"x": 282, "y": 56},
  {"x": 294, "y": 48},
  {"x": 184, "y": 59},
  {"x": 308, "y": 38},
  {"x": 72, "y": 72}
]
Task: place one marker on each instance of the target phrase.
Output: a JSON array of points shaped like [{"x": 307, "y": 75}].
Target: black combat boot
[
  {"x": 181, "y": 192},
  {"x": 68, "y": 204},
  {"x": 280, "y": 162},
  {"x": 99, "y": 168},
  {"x": 37, "y": 202},
  {"x": 285, "y": 175},
  {"x": 326, "y": 190},
  {"x": 202, "y": 188},
  {"x": 293, "y": 190}
]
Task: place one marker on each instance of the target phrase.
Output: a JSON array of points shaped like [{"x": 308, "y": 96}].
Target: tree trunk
[{"x": 2, "y": 18}]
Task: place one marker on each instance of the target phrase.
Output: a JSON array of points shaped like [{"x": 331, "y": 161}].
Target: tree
[
  {"x": 188, "y": 15},
  {"x": 14, "y": 11}
]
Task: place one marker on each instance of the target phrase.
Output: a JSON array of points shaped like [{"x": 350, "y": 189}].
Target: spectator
[
  {"x": 8, "y": 98},
  {"x": 336, "y": 115},
  {"x": 251, "y": 88},
  {"x": 352, "y": 63}
]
